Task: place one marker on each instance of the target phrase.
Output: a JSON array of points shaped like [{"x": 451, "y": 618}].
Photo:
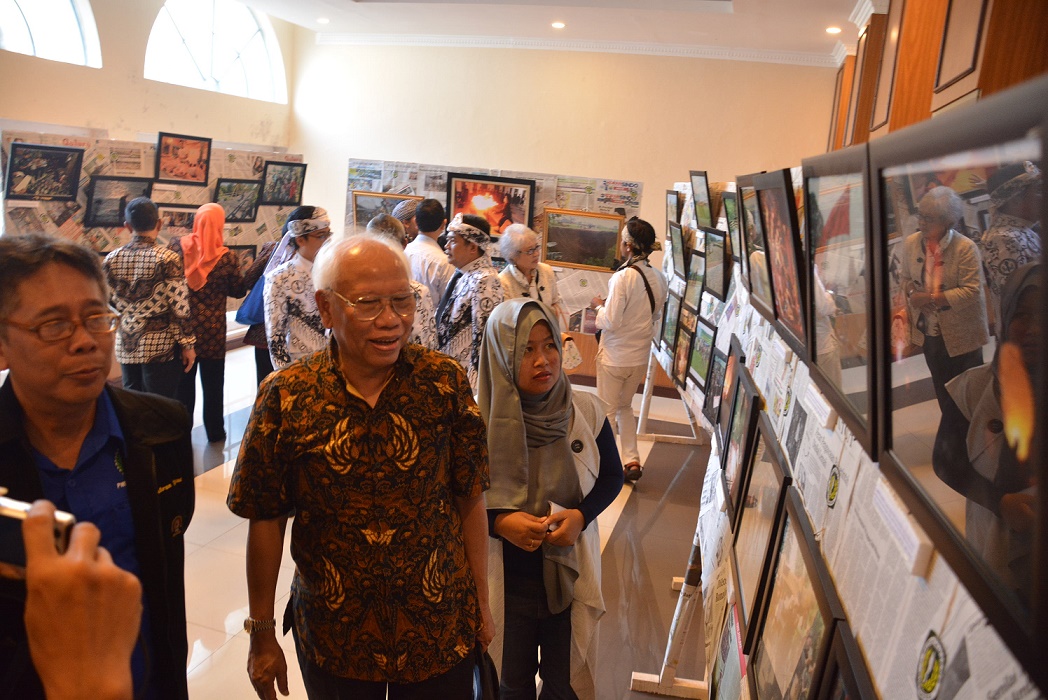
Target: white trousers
[{"x": 616, "y": 387}]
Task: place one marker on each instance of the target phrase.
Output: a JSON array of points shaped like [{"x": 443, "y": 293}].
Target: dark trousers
[
  {"x": 529, "y": 627},
  {"x": 263, "y": 364},
  {"x": 212, "y": 381},
  {"x": 950, "y": 453},
  {"x": 154, "y": 377}
]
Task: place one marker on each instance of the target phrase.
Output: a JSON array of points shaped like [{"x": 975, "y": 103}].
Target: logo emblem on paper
[
  {"x": 930, "y": 667},
  {"x": 789, "y": 398},
  {"x": 833, "y": 486}
]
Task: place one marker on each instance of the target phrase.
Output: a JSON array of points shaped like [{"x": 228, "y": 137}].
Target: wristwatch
[{"x": 251, "y": 625}]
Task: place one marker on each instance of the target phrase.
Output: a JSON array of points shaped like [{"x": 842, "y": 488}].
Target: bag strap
[{"x": 647, "y": 286}]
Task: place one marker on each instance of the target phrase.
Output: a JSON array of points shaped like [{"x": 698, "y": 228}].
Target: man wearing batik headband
[
  {"x": 1011, "y": 240},
  {"x": 473, "y": 292},
  {"x": 293, "y": 325}
]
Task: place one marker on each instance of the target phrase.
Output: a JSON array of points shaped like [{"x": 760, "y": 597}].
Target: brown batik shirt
[
  {"x": 382, "y": 589},
  {"x": 207, "y": 305}
]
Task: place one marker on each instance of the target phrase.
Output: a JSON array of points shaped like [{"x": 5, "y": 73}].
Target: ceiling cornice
[{"x": 644, "y": 49}]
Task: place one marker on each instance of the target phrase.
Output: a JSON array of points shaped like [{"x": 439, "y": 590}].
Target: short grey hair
[
  {"x": 943, "y": 204},
  {"x": 389, "y": 226},
  {"x": 516, "y": 239},
  {"x": 328, "y": 267}
]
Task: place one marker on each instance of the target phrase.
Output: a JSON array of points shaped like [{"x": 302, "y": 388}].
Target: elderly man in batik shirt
[
  {"x": 472, "y": 294},
  {"x": 379, "y": 449}
]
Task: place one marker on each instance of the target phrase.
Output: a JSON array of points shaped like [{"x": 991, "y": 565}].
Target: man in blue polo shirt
[{"x": 119, "y": 459}]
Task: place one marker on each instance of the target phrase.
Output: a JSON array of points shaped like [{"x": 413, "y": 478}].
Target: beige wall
[{"x": 598, "y": 115}]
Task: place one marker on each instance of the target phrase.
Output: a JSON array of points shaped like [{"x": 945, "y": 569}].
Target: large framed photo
[
  {"x": 760, "y": 513},
  {"x": 181, "y": 159},
  {"x": 718, "y": 264},
  {"x": 368, "y": 205},
  {"x": 670, "y": 317},
  {"x": 43, "y": 172},
  {"x": 676, "y": 236},
  {"x": 755, "y": 248},
  {"x": 702, "y": 354},
  {"x": 738, "y": 442},
  {"x": 779, "y": 218},
  {"x": 503, "y": 201},
  {"x": 696, "y": 278},
  {"x": 245, "y": 255},
  {"x": 700, "y": 192},
  {"x": 581, "y": 239},
  {"x": 239, "y": 199},
  {"x": 845, "y": 674},
  {"x": 840, "y": 293},
  {"x": 108, "y": 197},
  {"x": 176, "y": 219},
  {"x": 282, "y": 183},
  {"x": 736, "y": 359},
  {"x": 682, "y": 349}
]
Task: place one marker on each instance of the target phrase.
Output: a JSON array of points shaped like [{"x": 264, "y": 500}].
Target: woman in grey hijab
[{"x": 554, "y": 468}]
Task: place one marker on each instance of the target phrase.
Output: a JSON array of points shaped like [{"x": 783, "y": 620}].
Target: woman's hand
[
  {"x": 522, "y": 529},
  {"x": 568, "y": 524}
]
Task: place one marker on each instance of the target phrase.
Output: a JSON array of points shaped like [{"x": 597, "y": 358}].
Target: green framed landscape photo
[{"x": 581, "y": 239}]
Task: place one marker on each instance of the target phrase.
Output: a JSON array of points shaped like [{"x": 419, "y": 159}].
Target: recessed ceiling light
[
  {"x": 558, "y": 25},
  {"x": 323, "y": 20},
  {"x": 833, "y": 30}
]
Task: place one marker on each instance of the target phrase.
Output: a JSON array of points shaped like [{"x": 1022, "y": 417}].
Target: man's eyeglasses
[
  {"x": 60, "y": 329},
  {"x": 370, "y": 308}
]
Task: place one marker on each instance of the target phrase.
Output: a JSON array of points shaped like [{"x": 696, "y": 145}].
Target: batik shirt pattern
[
  {"x": 148, "y": 289},
  {"x": 208, "y": 304},
  {"x": 293, "y": 324},
  {"x": 460, "y": 329},
  {"x": 424, "y": 330},
  {"x": 1008, "y": 244},
  {"x": 382, "y": 588}
]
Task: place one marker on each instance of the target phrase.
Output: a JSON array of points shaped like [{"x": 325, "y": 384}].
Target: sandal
[{"x": 632, "y": 472}]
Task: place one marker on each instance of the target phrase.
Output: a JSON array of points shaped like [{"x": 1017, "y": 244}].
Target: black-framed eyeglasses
[
  {"x": 62, "y": 328},
  {"x": 369, "y": 308}
]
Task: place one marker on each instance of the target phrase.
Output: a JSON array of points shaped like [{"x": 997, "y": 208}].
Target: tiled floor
[{"x": 649, "y": 531}]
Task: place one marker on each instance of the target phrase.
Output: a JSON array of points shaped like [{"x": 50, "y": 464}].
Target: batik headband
[
  {"x": 471, "y": 234},
  {"x": 303, "y": 227},
  {"x": 628, "y": 240}
]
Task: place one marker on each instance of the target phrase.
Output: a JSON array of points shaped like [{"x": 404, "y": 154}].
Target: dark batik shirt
[
  {"x": 382, "y": 589},
  {"x": 207, "y": 305}
]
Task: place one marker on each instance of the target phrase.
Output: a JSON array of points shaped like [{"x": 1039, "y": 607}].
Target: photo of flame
[{"x": 500, "y": 202}]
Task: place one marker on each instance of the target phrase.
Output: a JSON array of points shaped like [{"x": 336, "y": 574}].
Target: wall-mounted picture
[
  {"x": 742, "y": 424},
  {"x": 779, "y": 218},
  {"x": 282, "y": 183},
  {"x": 107, "y": 196},
  {"x": 736, "y": 358},
  {"x": 43, "y": 172},
  {"x": 245, "y": 255},
  {"x": 711, "y": 400},
  {"x": 181, "y": 159},
  {"x": 685, "y": 333},
  {"x": 239, "y": 199},
  {"x": 718, "y": 264},
  {"x": 501, "y": 200},
  {"x": 729, "y": 665},
  {"x": 368, "y": 205},
  {"x": 674, "y": 206},
  {"x": 176, "y": 219},
  {"x": 755, "y": 249},
  {"x": 731, "y": 215},
  {"x": 676, "y": 236},
  {"x": 700, "y": 192},
  {"x": 581, "y": 239},
  {"x": 696, "y": 277},
  {"x": 670, "y": 316},
  {"x": 702, "y": 354}
]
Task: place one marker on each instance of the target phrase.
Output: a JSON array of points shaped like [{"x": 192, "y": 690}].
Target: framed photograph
[
  {"x": 738, "y": 442},
  {"x": 731, "y": 215},
  {"x": 755, "y": 249},
  {"x": 239, "y": 199},
  {"x": 184, "y": 160},
  {"x": 840, "y": 293},
  {"x": 711, "y": 398},
  {"x": 924, "y": 448},
  {"x": 718, "y": 264},
  {"x": 674, "y": 206},
  {"x": 845, "y": 674},
  {"x": 736, "y": 358},
  {"x": 176, "y": 219},
  {"x": 682, "y": 349},
  {"x": 670, "y": 317},
  {"x": 676, "y": 236},
  {"x": 581, "y": 239},
  {"x": 700, "y": 192},
  {"x": 245, "y": 255},
  {"x": 729, "y": 665},
  {"x": 779, "y": 220},
  {"x": 696, "y": 277},
  {"x": 702, "y": 354},
  {"x": 756, "y": 532},
  {"x": 107, "y": 197},
  {"x": 43, "y": 172},
  {"x": 501, "y": 200},
  {"x": 368, "y": 205},
  {"x": 282, "y": 183},
  {"x": 797, "y": 615}
]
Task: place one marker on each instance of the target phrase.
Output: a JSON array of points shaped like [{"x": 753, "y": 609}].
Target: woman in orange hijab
[{"x": 212, "y": 273}]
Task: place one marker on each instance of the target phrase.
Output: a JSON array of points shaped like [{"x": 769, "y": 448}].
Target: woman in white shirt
[{"x": 525, "y": 276}]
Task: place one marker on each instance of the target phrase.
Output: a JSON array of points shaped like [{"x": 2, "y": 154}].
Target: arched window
[
  {"x": 60, "y": 30},
  {"x": 217, "y": 45}
]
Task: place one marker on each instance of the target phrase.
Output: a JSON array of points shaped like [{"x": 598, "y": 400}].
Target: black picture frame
[
  {"x": 840, "y": 252},
  {"x": 778, "y": 208},
  {"x": 512, "y": 199},
  {"x": 700, "y": 359},
  {"x": 726, "y": 668},
  {"x": 670, "y": 319},
  {"x": 1008, "y": 117},
  {"x": 182, "y": 159},
  {"x": 674, "y": 206},
  {"x": 42, "y": 173},
  {"x": 746, "y": 402},
  {"x": 696, "y": 278},
  {"x": 798, "y": 564},
  {"x": 758, "y": 278},
  {"x": 714, "y": 384},
  {"x": 736, "y": 359},
  {"x": 700, "y": 193},
  {"x": 282, "y": 183},
  {"x": 730, "y": 204},
  {"x": 676, "y": 236},
  {"x": 718, "y": 264},
  {"x": 239, "y": 199},
  {"x": 756, "y": 530},
  {"x": 845, "y": 674},
  {"x": 682, "y": 347},
  {"x": 107, "y": 197}
]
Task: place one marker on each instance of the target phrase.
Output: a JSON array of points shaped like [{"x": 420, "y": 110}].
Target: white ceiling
[{"x": 788, "y": 31}]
